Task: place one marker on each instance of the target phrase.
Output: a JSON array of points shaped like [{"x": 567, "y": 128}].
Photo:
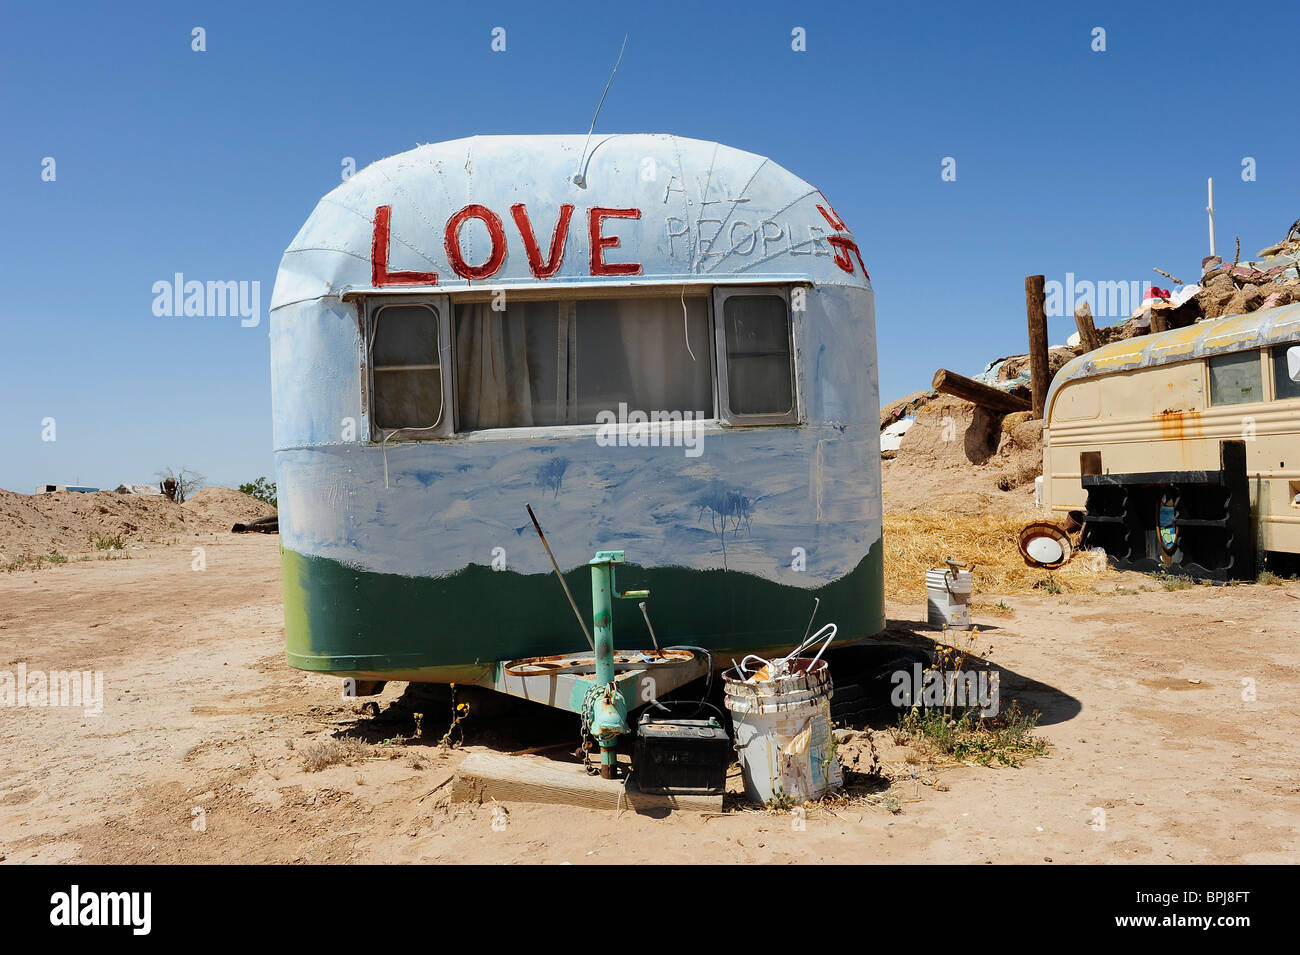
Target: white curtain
[
  {"x": 545, "y": 363},
  {"x": 495, "y": 365},
  {"x": 636, "y": 350}
]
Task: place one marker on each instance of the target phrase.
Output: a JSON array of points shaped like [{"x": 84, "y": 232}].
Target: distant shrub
[{"x": 262, "y": 489}]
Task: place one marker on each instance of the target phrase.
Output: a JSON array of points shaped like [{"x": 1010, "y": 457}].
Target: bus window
[
  {"x": 1235, "y": 379},
  {"x": 1283, "y": 386}
]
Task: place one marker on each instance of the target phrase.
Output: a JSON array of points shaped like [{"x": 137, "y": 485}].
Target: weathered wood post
[
  {"x": 1036, "y": 306},
  {"x": 1087, "y": 330}
]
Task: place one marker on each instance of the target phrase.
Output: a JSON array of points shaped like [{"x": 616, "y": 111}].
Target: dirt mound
[
  {"x": 224, "y": 507},
  {"x": 950, "y": 432},
  {"x": 69, "y": 522},
  {"x": 966, "y": 460}
]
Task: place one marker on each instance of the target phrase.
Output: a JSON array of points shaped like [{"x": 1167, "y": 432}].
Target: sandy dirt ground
[{"x": 1158, "y": 753}]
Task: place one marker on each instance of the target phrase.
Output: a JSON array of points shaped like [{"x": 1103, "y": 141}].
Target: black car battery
[{"x": 674, "y": 755}]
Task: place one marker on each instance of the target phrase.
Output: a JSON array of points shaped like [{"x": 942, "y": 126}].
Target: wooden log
[
  {"x": 991, "y": 399},
  {"x": 1036, "y": 307},
  {"x": 1159, "y": 320},
  {"x": 484, "y": 776},
  {"x": 1087, "y": 330}
]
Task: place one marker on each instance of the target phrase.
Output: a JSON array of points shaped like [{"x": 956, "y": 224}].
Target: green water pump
[{"x": 604, "y": 713}]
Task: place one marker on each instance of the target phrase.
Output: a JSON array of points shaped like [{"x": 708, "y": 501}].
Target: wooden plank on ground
[{"x": 484, "y": 776}]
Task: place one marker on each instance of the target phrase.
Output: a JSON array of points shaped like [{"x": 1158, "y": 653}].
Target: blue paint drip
[
  {"x": 551, "y": 475},
  {"x": 728, "y": 508}
]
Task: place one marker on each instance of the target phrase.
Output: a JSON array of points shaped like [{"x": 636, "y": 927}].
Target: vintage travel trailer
[
  {"x": 665, "y": 346},
  {"x": 1183, "y": 447}
]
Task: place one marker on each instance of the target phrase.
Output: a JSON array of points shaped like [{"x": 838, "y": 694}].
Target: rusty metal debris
[
  {"x": 586, "y": 663},
  {"x": 1045, "y": 544}
]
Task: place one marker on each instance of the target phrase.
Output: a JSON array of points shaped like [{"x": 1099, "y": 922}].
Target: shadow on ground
[{"x": 865, "y": 678}]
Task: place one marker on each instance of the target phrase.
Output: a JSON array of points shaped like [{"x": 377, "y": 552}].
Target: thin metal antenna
[{"x": 578, "y": 178}]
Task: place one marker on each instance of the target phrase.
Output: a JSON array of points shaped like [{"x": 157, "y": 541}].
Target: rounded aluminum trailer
[{"x": 666, "y": 346}]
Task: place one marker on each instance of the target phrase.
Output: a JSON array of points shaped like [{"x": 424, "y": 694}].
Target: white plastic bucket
[
  {"x": 783, "y": 733},
  {"x": 947, "y": 598}
]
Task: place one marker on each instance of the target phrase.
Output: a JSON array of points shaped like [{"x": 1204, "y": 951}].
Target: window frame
[
  {"x": 443, "y": 306},
  {"x": 722, "y": 389},
  {"x": 440, "y": 304},
  {"x": 1278, "y": 369},
  {"x": 562, "y": 294},
  {"x": 1261, "y": 367}
]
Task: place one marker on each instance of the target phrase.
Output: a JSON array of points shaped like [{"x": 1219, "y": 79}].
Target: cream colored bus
[{"x": 1183, "y": 448}]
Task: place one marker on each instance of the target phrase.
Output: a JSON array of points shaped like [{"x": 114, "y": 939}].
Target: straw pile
[{"x": 917, "y": 541}]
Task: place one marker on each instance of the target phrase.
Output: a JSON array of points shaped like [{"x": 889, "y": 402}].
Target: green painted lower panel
[{"x": 351, "y": 622}]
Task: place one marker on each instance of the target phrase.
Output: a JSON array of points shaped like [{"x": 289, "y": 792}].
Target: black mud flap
[{"x": 1192, "y": 523}]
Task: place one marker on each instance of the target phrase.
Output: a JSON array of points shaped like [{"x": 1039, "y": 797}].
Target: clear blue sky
[{"x": 207, "y": 163}]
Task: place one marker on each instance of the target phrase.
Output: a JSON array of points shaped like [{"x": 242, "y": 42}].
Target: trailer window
[
  {"x": 1235, "y": 379},
  {"x": 547, "y": 363},
  {"x": 407, "y": 372},
  {"x": 758, "y": 355},
  {"x": 1283, "y": 386},
  {"x": 755, "y": 355}
]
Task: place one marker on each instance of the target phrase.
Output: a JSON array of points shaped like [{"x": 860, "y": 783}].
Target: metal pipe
[
  {"x": 817, "y": 602},
  {"x": 602, "y": 617},
  {"x": 1210, "y": 209},
  {"x": 607, "y": 719},
  {"x": 653, "y": 638},
  {"x": 572, "y": 603}
]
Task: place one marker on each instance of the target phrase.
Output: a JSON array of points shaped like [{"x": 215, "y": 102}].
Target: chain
[{"x": 584, "y": 729}]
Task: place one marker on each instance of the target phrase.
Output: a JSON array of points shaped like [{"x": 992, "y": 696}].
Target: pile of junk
[
  {"x": 1270, "y": 280},
  {"x": 782, "y": 736},
  {"x": 778, "y": 708}
]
